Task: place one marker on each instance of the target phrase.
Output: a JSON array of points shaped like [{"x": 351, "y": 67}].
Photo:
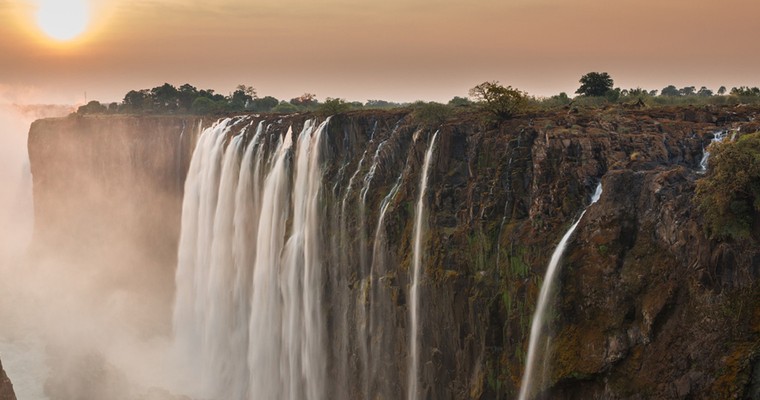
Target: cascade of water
[
  {"x": 537, "y": 329},
  {"x": 198, "y": 212},
  {"x": 717, "y": 138},
  {"x": 249, "y": 276},
  {"x": 419, "y": 232}
]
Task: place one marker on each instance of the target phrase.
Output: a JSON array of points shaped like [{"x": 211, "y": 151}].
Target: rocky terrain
[
  {"x": 6, "y": 387},
  {"x": 648, "y": 305}
]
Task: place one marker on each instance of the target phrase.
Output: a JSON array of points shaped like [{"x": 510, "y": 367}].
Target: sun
[{"x": 63, "y": 20}]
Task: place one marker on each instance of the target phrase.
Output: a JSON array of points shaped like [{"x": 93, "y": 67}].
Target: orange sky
[{"x": 399, "y": 50}]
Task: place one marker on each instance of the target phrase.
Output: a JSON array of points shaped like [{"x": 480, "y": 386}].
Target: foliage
[
  {"x": 460, "y": 102},
  {"x": 333, "y": 106},
  {"x": 670, "y": 90},
  {"x": 264, "y": 104},
  {"x": 205, "y": 105},
  {"x": 93, "y": 107},
  {"x": 305, "y": 101},
  {"x": 285, "y": 108},
  {"x": 499, "y": 101},
  {"x": 381, "y": 104},
  {"x": 729, "y": 196},
  {"x": 430, "y": 114},
  {"x": 595, "y": 84}
]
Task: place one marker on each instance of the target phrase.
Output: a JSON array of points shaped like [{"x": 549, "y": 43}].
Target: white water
[
  {"x": 717, "y": 138},
  {"x": 247, "y": 309},
  {"x": 419, "y": 233},
  {"x": 538, "y": 325}
]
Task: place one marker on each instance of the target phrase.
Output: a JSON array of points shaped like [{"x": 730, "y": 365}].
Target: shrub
[
  {"x": 430, "y": 114},
  {"x": 729, "y": 196}
]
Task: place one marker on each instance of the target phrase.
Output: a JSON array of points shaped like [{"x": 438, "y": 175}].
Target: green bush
[{"x": 729, "y": 196}]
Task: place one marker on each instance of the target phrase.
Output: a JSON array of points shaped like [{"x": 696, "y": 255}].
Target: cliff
[
  {"x": 648, "y": 306},
  {"x": 6, "y": 388}
]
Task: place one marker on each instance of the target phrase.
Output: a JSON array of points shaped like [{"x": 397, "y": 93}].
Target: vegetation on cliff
[
  {"x": 729, "y": 197},
  {"x": 490, "y": 98}
]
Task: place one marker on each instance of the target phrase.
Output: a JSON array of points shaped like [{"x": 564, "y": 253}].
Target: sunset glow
[
  {"x": 394, "y": 50},
  {"x": 63, "y": 20}
]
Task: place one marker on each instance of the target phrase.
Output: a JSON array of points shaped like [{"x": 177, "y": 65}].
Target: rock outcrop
[
  {"x": 648, "y": 306},
  {"x": 6, "y": 387}
]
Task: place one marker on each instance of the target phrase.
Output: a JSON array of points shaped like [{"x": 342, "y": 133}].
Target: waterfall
[
  {"x": 414, "y": 294},
  {"x": 538, "y": 325},
  {"x": 717, "y": 138},
  {"x": 249, "y": 276}
]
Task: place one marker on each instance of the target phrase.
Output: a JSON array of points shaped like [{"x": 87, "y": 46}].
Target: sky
[{"x": 397, "y": 50}]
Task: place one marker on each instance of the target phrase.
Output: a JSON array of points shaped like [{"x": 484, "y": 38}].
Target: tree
[
  {"x": 687, "y": 91},
  {"x": 305, "y": 100},
  {"x": 704, "y": 92},
  {"x": 670, "y": 91},
  {"x": 264, "y": 104},
  {"x": 93, "y": 107},
  {"x": 729, "y": 196},
  {"x": 333, "y": 106},
  {"x": 595, "y": 84},
  {"x": 186, "y": 96},
  {"x": 721, "y": 90},
  {"x": 460, "y": 102},
  {"x": 205, "y": 105},
  {"x": 499, "y": 101},
  {"x": 134, "y": 100},
  {"x": 165, "y": 97},
  {"x": 247, "y": 90},
  {"x": 285, "y": 107}
]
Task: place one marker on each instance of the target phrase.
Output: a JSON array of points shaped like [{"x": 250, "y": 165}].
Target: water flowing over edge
[
  {"x": 547, "y": 289},
  {"x": 414, "y": 289}
]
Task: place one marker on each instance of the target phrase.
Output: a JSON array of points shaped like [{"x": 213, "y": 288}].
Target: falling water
[
  {"x": 419, "y": 232},
  {"x": 249, "y": 276},
  {"x": 717, "y": 138},
  {"x": 537, "y": 329}
]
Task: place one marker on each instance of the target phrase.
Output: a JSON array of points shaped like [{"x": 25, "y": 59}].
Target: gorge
[{"x": 371, "y": 255}]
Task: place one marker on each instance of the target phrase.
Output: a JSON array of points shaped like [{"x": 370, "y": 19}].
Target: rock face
[
  {"x": 6, "y": 388},
  {"x": 648, "y": 306}
]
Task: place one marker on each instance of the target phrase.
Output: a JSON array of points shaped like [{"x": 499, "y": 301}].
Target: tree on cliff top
[
  {"x": 499, "y": 101},
  {"x": 729, "y": 196},
  {"x": 595, "y": 84}
]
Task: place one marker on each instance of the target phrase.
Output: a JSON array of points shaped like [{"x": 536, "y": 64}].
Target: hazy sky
[{"x": 399, "y": 50}]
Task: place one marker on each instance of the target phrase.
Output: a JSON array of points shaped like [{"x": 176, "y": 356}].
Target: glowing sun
[{"x": 63, "y": 20}]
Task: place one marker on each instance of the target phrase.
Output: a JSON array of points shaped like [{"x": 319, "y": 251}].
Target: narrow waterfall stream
[
  {"x": 538, "y": 325},
  {"x": 414, "y": 294}
]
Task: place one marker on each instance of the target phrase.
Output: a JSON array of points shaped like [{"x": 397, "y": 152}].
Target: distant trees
[
  {"x": 595, "y": 84},
  {"x": 93, "y": 107},
  {"x": 333, "y": 106},
  {"x": 499, "y": 101},
  {"x": 670, "y": 90}
]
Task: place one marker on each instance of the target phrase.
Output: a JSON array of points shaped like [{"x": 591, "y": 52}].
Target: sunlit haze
[
  {"x": 62, "y": 20},
  {"x": 394, "y": 50}
]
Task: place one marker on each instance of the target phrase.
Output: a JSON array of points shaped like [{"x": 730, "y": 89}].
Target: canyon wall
[{"x": 648, "y": 306}]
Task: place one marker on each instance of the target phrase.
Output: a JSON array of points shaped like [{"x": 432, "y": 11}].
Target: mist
[{"x": 87, "y": 318}]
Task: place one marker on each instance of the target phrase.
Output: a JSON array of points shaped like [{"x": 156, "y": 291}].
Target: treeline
[
  {"x": 597, "y": 89},
  {"x": 187, "y": 99}
]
